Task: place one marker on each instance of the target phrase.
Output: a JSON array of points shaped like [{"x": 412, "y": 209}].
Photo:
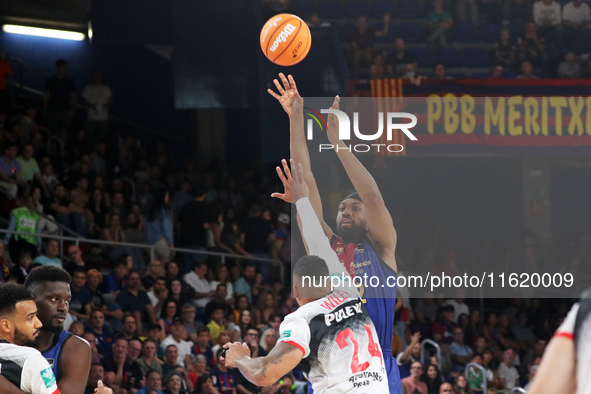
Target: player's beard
[
  {"x": 23, "y": 340},
  {"x": 351, "y": 234}
]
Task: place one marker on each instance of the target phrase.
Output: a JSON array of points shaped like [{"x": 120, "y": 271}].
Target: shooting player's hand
[{"x": 286, "y": 92}]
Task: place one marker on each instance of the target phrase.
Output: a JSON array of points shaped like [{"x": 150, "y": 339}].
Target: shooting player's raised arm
[{"x": 379, "y": 220}]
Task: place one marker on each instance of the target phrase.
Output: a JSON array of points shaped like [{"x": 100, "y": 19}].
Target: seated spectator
[
  {"x": 548, "y": 19},
  {"x": 411, "y": 354},
  {"x": 117, "y": 279},
  {"x": 49, "y": 177},
  {"x": 446, "y": 388},
  {"x": 134, "y": 300},
  {"x": 216, "y": 324},
  {"x": 268, "y": 341},
  {"x": 174, "y": 383},
  {"x": 461, "y": 385},
  {"x": 96, "y": 373},
  {"x": 443, "y": 328},
  {"x": 20, "y": 271},
  {"x": 172, "y": 271},
  {"x": 258, "y": 288},
  {"x": 223, "y": 377},
  {"x": 171, "y": 355},
  {"x": 94, "y": 354},
  {"x": 508, "y": 375},
  {"x": 432, "y": 378},
  {"x": 531, "y": 47},
  {"x": 575, "y": 16},
  {"x": 50, "y": 255},
  {"x": 439, "y": 22},
  {"x": 66, "y": 212},
  {"x": 378, "y": 70},
  {"x": 10, "y": 172},
  {"x": 155, "y": 271},
  {"x": 188, "y": 318},
  {"x": 245, "y": 322},
  {"x": 131, "y": 370},
  {"x": 362, "y": 40},
  {"x": 199, "y": 368},
  {"x": 197, "y": 280},
  {"x": 148, "y": 360},
  {"x": 153, "y": 382},
  {"x": 96, "y": 213},
  {"x": 158, "y": 226},
  {"x": 527, "y": 70},
  {"x": 505, "y": 51},
  {"x": 267, "y": 306},
  {"x": 45, "y": 226},
  {"x": 535, "y": 352},
  {"x": 461, "y": 354},
  {"x": 413, "y": 383},
  {"x": 399, "y": 58},
  {"x": 77, "y": 261},
  {"x": 570, "y": 67},
  {"x": 440, "y": 71},
  {"x": 203, "y": 347},
  {"x": 169, "y": 313},
  {"x": 104, "y": 338},
  {"x": 158, "y": 295},
  {"x": 223, "y": 276},
  {"x": 274, "y": 321},
  {"x": 180, "y": 292},
  {"x": 134, "y": 350},
  {"x": 81, "y": 298},
  {"x": 23, "y": 219},
  {"x": 411, "y": 74},
  {"x": 129, "y": 329},
  {"x": 204, "y": 385},
  {"x": 30, "y": 169},
  {"x": 522, "y": 333},
  {"x": 225, "y": 337},
  {"x": 244, "y": 284},
  {"x": 473, "y": 329},
  {"x": 183, "y": 347}
]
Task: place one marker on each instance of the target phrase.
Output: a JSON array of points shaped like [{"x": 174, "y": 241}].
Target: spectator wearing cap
[
  {"x": 148, "y": 360},
  {"x": 280, "y": 235},
  {"x": 176, "y": 338},
  {"x": 443, "y": 328}
]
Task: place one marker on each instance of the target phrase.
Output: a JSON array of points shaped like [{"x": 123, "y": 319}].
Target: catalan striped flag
[{"x": 387, "y": 94}]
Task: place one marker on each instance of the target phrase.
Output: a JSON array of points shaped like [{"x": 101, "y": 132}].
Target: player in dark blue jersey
[
  {"x": 68, "y": 355},
  {"x": 365, "y": 240}
]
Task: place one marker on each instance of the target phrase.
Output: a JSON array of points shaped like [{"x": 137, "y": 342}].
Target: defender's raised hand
[
  {"x": 333, "y": 123},
  {"x": 287, "y": 92},
  {"x": 286, "y": 180}
]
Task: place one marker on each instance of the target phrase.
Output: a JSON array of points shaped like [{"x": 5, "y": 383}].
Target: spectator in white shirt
[
  {"x": 183, "y": 347},
  {"x": 575, "y": 16},
  {"x": 507, "y": 372},
  {"x": 548, "y": 18},
  {"x": 98, "y": 99},
  {"x": 196, "y": 279},
  {"x": 459, "y": 305}
]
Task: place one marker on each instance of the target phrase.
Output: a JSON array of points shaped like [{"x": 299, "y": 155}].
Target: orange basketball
[{"x": 285, "y": 39}]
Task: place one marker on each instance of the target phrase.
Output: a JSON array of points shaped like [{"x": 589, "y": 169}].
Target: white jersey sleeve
[
  {"x": 38, "y": 377},
  {"x": 567, "y": 328},
  {"x": 318, "y": 244},
  {"x": 294, "y": 330}
]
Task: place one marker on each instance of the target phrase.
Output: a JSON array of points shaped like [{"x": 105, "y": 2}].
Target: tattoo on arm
[{"x": 260, "y": 368}]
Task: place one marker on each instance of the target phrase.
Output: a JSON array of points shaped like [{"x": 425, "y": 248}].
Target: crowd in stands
[
  {"x": 157, "y": 323},
  {"x": 478, "y": 38}
]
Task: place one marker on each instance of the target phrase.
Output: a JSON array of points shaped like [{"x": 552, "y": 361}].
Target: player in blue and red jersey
[{"x": 365, "y": 240}]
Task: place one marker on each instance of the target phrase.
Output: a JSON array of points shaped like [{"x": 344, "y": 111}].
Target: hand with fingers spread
[
  {"x": 286, "y": 180},
  {"x": 288, "y": 95},
  {"x": 299, "y": 187}
]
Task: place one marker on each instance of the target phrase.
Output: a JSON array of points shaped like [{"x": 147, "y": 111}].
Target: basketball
[{"x": 285, "y": 39}]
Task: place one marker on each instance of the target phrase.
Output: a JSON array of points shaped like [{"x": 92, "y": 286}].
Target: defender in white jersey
[
  {"x": 24, "y": 366},
  {"x": 331, "y": 329},
  {"x": 566, "y": 364}
]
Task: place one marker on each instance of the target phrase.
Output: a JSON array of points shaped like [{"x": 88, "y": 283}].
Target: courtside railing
[{"x": 152, "y": 248}]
